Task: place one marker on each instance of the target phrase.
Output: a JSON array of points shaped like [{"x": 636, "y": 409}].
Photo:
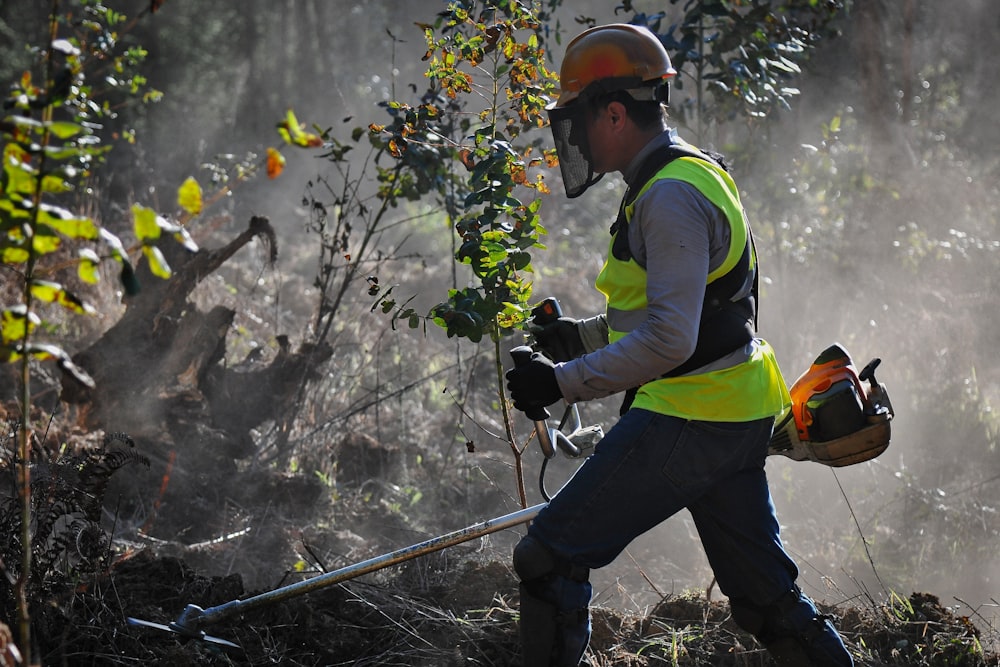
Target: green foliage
[
  {"x": 920, "y": 618},
  {"x": 52, "y": 138},
  {"x": 744, "y": 53},
  {"x": 465, "y": 142}
]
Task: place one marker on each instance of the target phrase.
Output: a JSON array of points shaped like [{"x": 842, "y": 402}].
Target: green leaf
[
  {"x": 65, "y": 129},
  {"x": 55, "y": 184},
  {"x": 66, "y": 223},
  {"x": 129, "y": 281},
  {"x": 20, "y": 175}
]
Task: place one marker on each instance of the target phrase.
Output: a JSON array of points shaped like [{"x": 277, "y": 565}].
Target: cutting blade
[{"x": 196, "y": 635}]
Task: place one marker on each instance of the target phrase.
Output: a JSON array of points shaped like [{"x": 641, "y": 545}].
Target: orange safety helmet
[
  {"x": 603, "y": 59},
  {"x": 622, "y": 55}
]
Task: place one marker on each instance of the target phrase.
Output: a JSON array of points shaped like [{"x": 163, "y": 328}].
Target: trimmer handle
[
  {"x": 546, "y": 312},
  {"x": 521, "y": 356}
]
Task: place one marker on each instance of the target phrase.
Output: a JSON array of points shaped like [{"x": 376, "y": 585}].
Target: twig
[
  {"x": 857, "y": 524},
  {"x": 643, "y": 574}
]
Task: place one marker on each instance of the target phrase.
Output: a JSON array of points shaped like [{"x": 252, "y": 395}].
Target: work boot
[
  {"x": 811, "y": 639},
  {"x": 549, "y": 637},
  {"x": 824, "y": 650},
  {"x": 793, "y": 631}
]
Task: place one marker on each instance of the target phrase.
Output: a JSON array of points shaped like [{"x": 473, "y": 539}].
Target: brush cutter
[
  {"x": 834, "y": 419},
  {"x": 192, "y": 621}
]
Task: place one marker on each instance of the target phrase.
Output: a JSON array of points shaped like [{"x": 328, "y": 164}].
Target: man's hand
[
  {"x": 559, "y": 339},
  {"x": 566, "y": 339},
  {"x": 533, "y": 385}
]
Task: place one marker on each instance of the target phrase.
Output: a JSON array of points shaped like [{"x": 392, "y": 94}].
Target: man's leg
[
  {"x": 555, "y": 622},
  {"x": 586, "y": 525},
  {"x": 739, "y": 529},
  {"x": 793, "y": 631},
  {"x": 647, "y": 468}
]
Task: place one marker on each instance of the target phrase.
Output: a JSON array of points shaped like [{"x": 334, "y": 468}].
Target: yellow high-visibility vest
[{"x": 750, "y": 390}]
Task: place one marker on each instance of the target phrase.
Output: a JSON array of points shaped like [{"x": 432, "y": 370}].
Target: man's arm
[{"x": 671, "y": 233}]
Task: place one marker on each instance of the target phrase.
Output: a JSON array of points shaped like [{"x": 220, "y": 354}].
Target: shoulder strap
[
  {"x": 726, "y": 324},
  {"x": 656, "y": 161}
]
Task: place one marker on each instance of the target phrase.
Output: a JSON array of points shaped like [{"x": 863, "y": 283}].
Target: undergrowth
[{"x": 68, "y": 487}]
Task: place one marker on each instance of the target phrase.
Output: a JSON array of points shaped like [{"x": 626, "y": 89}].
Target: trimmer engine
[{"x": 835, "y": 419}]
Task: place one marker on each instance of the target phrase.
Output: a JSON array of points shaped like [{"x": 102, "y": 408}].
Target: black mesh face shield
[
  {"x": 569, "y": 127},
  {"x": 569, "y": 131}
]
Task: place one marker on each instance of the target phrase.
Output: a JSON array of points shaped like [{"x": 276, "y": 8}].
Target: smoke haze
[{"x": 880, "y": 235}]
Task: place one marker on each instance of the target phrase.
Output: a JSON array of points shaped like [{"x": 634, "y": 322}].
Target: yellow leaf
[
  {"x": 45, "y": 290},
  {"x": 87, "y": 268},
  {"x": 51, "y": 292},
  {"x": 293, "y": 133},
  {"x": 275, "y": 163},
  {"x": 144, "y": 223},
  {"x": 189, "y": 196},
  {"x": 13, "y": 255},
  {"x": 157, "y": 262},
  {"x": 45, "y": 243},
  {"x": 14, "y": 325}
]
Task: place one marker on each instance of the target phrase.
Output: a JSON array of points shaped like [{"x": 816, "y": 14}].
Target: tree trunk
[{"x": 160, "y": 370}]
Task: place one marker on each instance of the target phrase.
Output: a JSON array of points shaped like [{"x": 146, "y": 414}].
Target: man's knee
[
  {"x": 555, "y": 626},
  {"x": 533, "y": 561}
]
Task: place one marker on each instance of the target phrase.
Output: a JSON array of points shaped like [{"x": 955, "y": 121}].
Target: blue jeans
[{"x": 649, "y": 467}]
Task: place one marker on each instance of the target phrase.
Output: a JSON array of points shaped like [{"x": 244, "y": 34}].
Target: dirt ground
[
  {"x": 440, "y": 610},
  {"x": 471, "y": 621},
  {"x": 216, "y": 539}
]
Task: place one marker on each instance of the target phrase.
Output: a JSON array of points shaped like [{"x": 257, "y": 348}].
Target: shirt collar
[{"x": 667, "y": 137}]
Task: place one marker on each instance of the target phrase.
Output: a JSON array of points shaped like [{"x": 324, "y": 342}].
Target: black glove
[
  {"x": 559, "y": 339},
  {"x": 533, "y": 385}
]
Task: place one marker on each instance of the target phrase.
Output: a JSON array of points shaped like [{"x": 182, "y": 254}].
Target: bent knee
[{"x": 532, "y": 559}]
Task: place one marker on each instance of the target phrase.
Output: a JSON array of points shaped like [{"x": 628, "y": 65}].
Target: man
[{"x": 678, "y": 337}]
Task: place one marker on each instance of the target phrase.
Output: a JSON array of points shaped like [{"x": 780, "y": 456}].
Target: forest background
[{"x": 873, "y": 199}]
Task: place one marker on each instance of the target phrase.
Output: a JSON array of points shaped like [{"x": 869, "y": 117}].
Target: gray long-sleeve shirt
[{"x": 679, "y": 236}]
